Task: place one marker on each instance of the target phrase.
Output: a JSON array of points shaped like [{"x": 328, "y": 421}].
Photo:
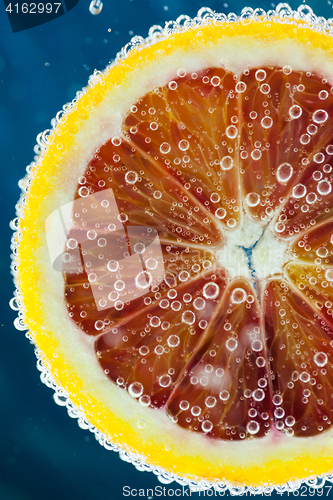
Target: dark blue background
[{"x": 43, "y": 453}]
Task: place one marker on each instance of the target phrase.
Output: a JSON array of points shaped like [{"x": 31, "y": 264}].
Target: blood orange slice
[{"x": 177, "y": 228}]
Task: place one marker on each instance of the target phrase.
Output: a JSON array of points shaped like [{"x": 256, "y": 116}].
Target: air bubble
[
  {"x": 211, "y": 290},
  {"x": 143, "y": 280},
  {"x": 289, "y": 421},
  {"x": 165, "y": 148},
  {"x": 279, "y": 412},
  {"x": 196, "y": 410},
  {"x": 83, "y": 191},
  {"x": 320, "y": 116},
  {"x": 265, "y": 88},
  {"x": 299, "y": 191},
  {"x": 231, "y": 132},
  {"x": 322, "y": 252},
  {"x": 252, "y": 199},
  {"x": 183, "y": 276},
  {"x": 159, "y": 350},
  {"x": 172, "y": 85},
  {"x": 101, "y": 242},
  {"x": 238, "y": 296},
  {"x": 210, "y": 402},
  {"x": 135, "y": 390},
  {"x": 266, "y": 122},
  {"x": 71, "y": 243},
  {"x": 260, "y": 75},
  {"x": 199, "y": 303},
  {"x": 324, "y": 187},
  {"x": 329, "y": 274},
  {"x": 304, "y": 377},
  {"x": 139, "y": 248},
  {"x": 258, "y": 395},
  {"x": 116, "y": 141},
  {"x": 155, "y": 321},
  {"x": 284, "y": 173},
  {"x": 295, "y": 111},
  {"x": 227, "y": 163},
  {"x": 181, "y": 72},
  {"x": 305, "y": 139},
  {"x": 231, "y": 223},
  {"x": 224, "y": 395},
  {"x": 188, "y": 317},
  {"x": 206, "y": 426},
  {"x": 320, "y": 358},
  {"x": 119, "y": 285},
  {"x": 173, "y": 341},
  {"x": 319, "y": 158},
  {"x": 323, "y": 94},
  {"x": 144, "y": 350},
  {"x": 214, "y": 197},
  {"x": 144, "y": 400},
  {"x": 279, "y": 227},
  {"x": 215, "y": 81},
  {"x": 151, "y": 263},
  {"x": 260, "y": 361},
  {"x": 277, "y": 399},
  {"x": 311, "y": 198},
  {"x": 131, "y": 177},
  {"x": 257, "y": 345},
  {"x": 183, "y": 145},
  {"x": 256, "y": 154},
  {"x": 240, "y": 87},
  {"x": 165, "y": 380},
  {"x": 220, "y": 213},
  {"x": 231, "y": 344},
  {"x": 184, "y": 405},
  {"x": 253, "y": 427}
]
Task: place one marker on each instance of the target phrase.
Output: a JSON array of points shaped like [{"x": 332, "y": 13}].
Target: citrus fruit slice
[{"x": 174, "y": 253}]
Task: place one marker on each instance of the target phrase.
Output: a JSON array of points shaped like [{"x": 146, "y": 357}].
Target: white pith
[
  {"x": 96, "y": 131},
  {"x": 268, "y": 256}
]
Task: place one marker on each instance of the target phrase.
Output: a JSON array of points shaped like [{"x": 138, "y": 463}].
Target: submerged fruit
[{"x": 178, "y": 231}]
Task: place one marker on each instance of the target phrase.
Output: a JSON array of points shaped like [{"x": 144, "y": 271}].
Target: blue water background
[{"x": 44, "y": 455}]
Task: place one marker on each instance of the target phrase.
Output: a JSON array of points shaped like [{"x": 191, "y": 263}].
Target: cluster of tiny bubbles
[{"x": 205, "y": 15}]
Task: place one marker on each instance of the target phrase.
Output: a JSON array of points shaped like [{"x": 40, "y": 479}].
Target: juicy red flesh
[{"x": 230, "y": 369}]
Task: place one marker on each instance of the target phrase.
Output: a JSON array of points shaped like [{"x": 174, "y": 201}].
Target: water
[{"x": 45, "y": 454}]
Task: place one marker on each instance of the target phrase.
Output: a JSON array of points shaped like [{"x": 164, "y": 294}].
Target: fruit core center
[{"x": 253, "y": 251}]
